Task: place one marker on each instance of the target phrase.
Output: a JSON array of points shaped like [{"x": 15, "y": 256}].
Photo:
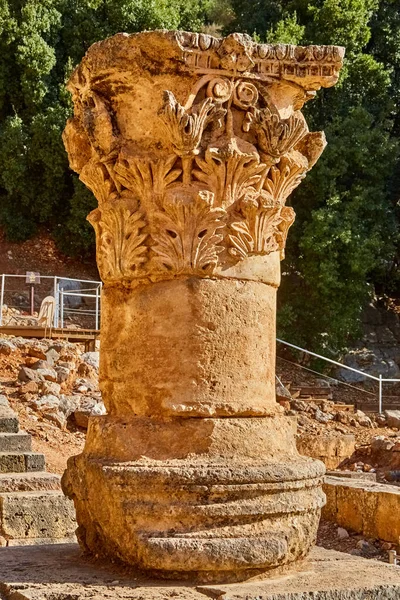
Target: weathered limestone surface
[
  {"x": 191, "y": 146},
  {"x": 332, "y": 449},
  {"x": 61, "y": 573},
  {"x": 370, "y": 508}
]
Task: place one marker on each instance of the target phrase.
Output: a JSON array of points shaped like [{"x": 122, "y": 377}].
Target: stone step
[
  {"x": 352, "y": 475},
  {"x": 8, "y": 420},
  {"x": 371, "y": 509},
  {"x": 320, "y": 392},
  {"x": 14, "y": 442},
  {"x": 38, "y": 541},
  {"x": 29, "y": 482},
  {"x": 36, "y": 515},
  {"x": 20, "y": 462}
]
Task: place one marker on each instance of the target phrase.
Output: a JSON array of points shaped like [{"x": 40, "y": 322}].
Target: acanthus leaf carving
[
  {"x": 237, "y": 175},
  {"x": 185, "y": 129},
  {"x": 229, "y": 173},
  {"x": 261, "y": 229},
  {"x": 119, "y": 239},
  {"x": 275, "y": 136},
  {"x": 96, "y": 176},
  {"x": 145, "y": 178},
  {"x": 185, "y": 234},
  {"x": 311, "y": 146},
  {"x": 284, "y": 177},
  {"x": 288, "y": 217}
]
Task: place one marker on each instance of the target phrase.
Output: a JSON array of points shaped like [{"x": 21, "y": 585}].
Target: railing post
[
  {"x": 57, "y": 311},
  {"x": 380, "y": 394},
  {"x": 61, "y": 296},
  {"x": 55, "y": 316},
  {"x": 3, "y": 277},
  {"x": 97, "y": 307}
]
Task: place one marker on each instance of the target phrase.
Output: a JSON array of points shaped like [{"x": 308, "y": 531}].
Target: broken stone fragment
[
  {"x": 48, "y": 374},
  {"x": 25, "y": 374},
  {"x": 91, "y": 358},
  {"x": 88, "y": 408},
  {"x": 6, "y": 347},
  {"x": 392, "y": 418},
  {"x": 50, "y": 387},
  {"x": 63, "y": 373}
]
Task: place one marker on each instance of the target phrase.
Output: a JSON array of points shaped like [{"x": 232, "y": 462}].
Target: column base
[{"x": 198, "y": 515}]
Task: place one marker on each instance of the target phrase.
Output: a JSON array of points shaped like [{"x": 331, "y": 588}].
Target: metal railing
[
  {"x": 63, "y": 289},
  {"x": 379, "y": 379}
]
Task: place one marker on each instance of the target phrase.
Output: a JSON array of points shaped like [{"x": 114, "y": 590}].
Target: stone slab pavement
[{"x": 61, "y": 572}]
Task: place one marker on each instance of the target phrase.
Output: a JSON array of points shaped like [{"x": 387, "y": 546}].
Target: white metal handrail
[
  {"x": 59, "y": 294},
  {"x": 379, "y": 379}
]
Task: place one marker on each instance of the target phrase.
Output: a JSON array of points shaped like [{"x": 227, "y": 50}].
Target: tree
[
  {"x": 40, "y": 42},
  {"x": 344, "y": 241}
]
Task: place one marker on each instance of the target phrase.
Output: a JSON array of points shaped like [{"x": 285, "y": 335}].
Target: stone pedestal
[{"x": 191, "y": 145}]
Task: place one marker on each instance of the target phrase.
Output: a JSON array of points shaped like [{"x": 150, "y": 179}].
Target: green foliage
[
  {"x": 286, "y": 31},
  {"x": 40, "y": 43},
  {"x": 344, "y": 244}
]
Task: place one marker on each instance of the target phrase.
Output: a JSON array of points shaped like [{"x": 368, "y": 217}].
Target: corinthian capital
[{"x": 192, "y": 167}]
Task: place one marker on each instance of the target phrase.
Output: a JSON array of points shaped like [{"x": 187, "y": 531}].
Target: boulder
[
  {"x": 6, "y": 347},
  {"x": 50, "y": 387},
  {"x": 372, "y": 315},
  {"x": 48, "y": 374},
  {"x": 21, "y": 343},
  {"x": 342, "y": 533},
  {"x": 4, "y": 403},
  {"x": 26, "y": 374},
  {"x": 393, "y": 418},
  {"x": 322, "y": 417},
  {"x": 361, "y": 418},
  {"x": 282, "y": 393},
  {"x": 63, "y": 374},
  {"x": 385, "y": 335},
  {"x": 87, "y": 371},
  {"x": 85, "y": 385},
  {"x": 380, "y": 443},
  {"x": 91, "y": 358},
  {"x": 88, "y": 408},
  {"x": 46, "y": 402},
  {"x": 37, "y": 364},
  {"x": 66, "y": 364},
  {"x": 68, "y": 404},
  {"x": 300, "y": 406},
  {"x": 52, "y": 356},
  {"x": 368, "y": 361},
  {"x": 48, "y": 406},
  {"x": 344, "y": 417},
  {"x": 32, "y": 387},
  {"x": 38, "y": 351}
]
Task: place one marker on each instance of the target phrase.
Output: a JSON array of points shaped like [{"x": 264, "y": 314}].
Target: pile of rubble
[
  {"x": 346, "y": 438},
  {"x": 382, "y": 455},
  {"x": 314, "y": 412},
  {"x": 55, "y": 380},
  {"x": 15, "y": 317}
]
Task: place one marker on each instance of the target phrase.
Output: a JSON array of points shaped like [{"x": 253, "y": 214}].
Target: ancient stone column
[{"x": 192, "y": 145}]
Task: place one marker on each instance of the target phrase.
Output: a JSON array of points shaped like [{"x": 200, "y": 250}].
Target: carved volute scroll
[{"x": 233, "y": 146}]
